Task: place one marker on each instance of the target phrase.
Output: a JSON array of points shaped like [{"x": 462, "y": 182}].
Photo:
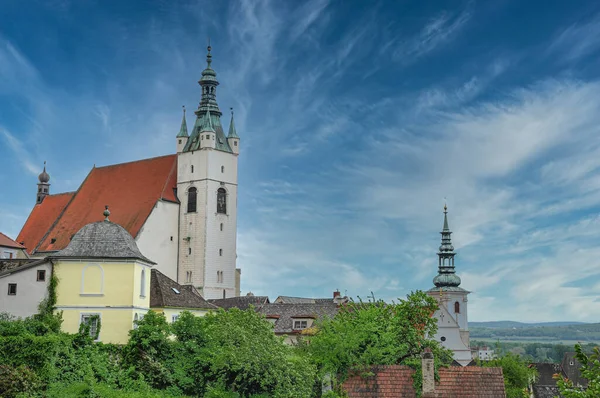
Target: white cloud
[{"x": 577, "y": 41}]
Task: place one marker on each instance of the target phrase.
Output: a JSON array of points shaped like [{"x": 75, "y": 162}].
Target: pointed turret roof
[
  {"x": 207, "y": 123},
  {"x": 446, "y": 279},
  {"x": 183, "y": 130},
  {"x": 232, "y": 131}
]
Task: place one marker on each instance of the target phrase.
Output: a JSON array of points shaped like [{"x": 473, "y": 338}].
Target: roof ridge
[
  {"x": 135, "y": 161},
  {"x": 18, "y": 245},
  {"x": 61, "y": 213}
]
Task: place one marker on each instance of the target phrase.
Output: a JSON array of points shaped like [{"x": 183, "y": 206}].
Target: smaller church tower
[
  {"x": 232, "y": 138},
  {"x": 43, "y": 186},
  {"x": 207, "y": 133},
  {"x": 453, "y": 329},
  {"x": 183, "y": 136}
]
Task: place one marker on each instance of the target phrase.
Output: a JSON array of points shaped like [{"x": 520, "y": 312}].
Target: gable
[{"x": 131, "y": 190}]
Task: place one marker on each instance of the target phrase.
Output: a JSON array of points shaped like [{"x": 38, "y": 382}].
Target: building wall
[
  {"x": 213, "y": 169},
  {"x": 30, "y": 292},
  {"x": 111, "y": 289},
  {"x": 11, "y": 252},
  {"x": 158, "y": 239}
]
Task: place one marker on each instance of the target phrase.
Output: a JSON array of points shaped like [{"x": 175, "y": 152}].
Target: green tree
[
  {"x": 517, "y": 374},
  {"x": 365, "y": 334},
  {"x": 590, "y": 369}
]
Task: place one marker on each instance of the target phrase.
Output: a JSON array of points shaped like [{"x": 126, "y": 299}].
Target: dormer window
[{"x": 300, "y": 324}]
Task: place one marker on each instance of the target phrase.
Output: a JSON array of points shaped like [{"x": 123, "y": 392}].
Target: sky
[{"x": 358, "y": 121}]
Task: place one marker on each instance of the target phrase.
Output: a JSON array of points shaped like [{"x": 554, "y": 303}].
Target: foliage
[
  {"x": 517, "y": 374},
  {"x": 371, "y": 333},
  {"x": 590, "y": 370},
  {"x": 14, "y": 381}
]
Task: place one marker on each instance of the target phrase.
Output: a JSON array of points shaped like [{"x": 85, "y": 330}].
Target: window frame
[
  {"x": 300, "y": 322},
  {"x": 12, "y": 292},
  {"x": 456, "y": 307},
  {"x": 98, "y": 320},
  {"x": 41, "y": 272},
  {"x": 222, "y": 208},
  {"x": 192, "y": 206}
]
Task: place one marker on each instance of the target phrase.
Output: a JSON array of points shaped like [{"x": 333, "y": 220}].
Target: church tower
[
  {"x": 207, "y": 191},
  {"x": 43, "y": 186},
  {"x": 453, "y": 329}
]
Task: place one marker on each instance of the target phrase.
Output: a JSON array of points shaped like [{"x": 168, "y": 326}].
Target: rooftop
[{"x": 165, "y": 292}]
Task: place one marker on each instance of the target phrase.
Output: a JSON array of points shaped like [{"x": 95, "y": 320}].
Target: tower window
[
  {"x": 457, "y": 307},
  {"x": 189, "y": 250},
  {"x": 192, "y": 199},
  {"x": 143, "y": 284},
  {"x": 220, "y": 252},
  {"x": 222, "y": 169},
  {"x": 221, "y": 226},
  {"x": 192, "y": 168},
  {"x": 208, "y": 136},
  {"x": 224, "y": 294},
  {"x": 234, "y": 143},
  {"x": 222, "y": 201},
  {"x": 180, "y": 141}
]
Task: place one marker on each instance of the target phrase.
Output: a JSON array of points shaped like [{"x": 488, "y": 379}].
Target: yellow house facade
[{"x": 103, "y": 281}]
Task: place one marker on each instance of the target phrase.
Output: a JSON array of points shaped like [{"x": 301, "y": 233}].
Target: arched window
[
  {"x": 222, "y": 201},
  {"x": 143, "y": 284},
  {"x": 457, "y": 307},
  {"x": 192, "y": 199}
]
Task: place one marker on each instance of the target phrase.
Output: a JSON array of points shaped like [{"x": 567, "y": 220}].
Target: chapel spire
[
  {"x": 43, "y": 185},
  {"x": 183, "y": 130},
  {"x": 446, "y": 276},
  {"x": 232, "y": 131}
]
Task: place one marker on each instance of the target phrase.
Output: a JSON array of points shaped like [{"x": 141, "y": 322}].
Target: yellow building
[{"x": 103, "y": 279}]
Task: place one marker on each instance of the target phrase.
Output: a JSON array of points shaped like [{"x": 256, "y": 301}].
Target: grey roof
[
  {"x": 165, "y": 292},
  {"x": 573, "y": 372},
  {"x": 102, "y": 239},
  {"x": 301, "y": 300},
  {"x": 11, "y": 266},
  {"x": 546, "y": 372},
  {"x": 546, "y": 392},
  {"x": 287, "y": 312},
  {"x": 243, "y": 302}
]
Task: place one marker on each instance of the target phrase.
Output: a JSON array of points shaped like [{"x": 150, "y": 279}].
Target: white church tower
[
  {"x": 207, "y": 190},
  {"x": 453, "y": 328}
]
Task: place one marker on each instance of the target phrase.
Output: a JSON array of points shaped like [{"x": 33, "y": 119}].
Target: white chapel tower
[
  {"x": 453, "y": 328},
  {"x": 207, "y": 189}
]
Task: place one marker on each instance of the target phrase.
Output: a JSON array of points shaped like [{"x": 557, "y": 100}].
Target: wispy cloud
[
  {"x": 437, "y": 31},
  {"x": 577, "y": 41}
]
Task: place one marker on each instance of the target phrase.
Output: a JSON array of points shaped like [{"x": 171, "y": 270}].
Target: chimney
[
  {"x": 336, "y": 294},
  {"x": 428, "y": 370}
]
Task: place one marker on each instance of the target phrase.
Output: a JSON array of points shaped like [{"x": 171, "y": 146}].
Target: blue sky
[{"x": 357, "y": 119}]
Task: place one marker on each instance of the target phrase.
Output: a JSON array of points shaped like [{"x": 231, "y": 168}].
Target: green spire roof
[
  {"x": 446, "y": 279},
  {"x": 207, "y": 123},
  {"x": 232, "y": 132},
  {"x": 183, "y": 130}
]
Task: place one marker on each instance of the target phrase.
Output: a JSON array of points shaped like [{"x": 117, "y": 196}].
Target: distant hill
[
  {"x": 513, "y": 324},
  {"x": 546, "y": 331}
]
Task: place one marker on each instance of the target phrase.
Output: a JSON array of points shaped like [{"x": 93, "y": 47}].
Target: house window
[
  {"x": 143, "y": 284},
  {"x": 93, "y": 321},
  {"x": 221, "y": 226},
  {"x": 300, "y": 325},
  {"x": 224, "y": 294},
  {"x": 457, "y": 307},
  {"x": 12, "y": 289},
  {"x": 174, "y": 318},
  {"x": 222, "y": 169},
  {"x": 222, "y": 201},
  {"x": 192, "y": 199},
  {"x": 220, "y": 252},
  {"x": 41, "y": 275}
]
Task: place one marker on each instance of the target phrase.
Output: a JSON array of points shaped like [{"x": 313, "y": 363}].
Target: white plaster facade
[
  {"x": 158, "y": 238},
  {"x": 30, "y": 291},
  {"x": 453, "y": 329},
  {"x": 207, "y": 238}
]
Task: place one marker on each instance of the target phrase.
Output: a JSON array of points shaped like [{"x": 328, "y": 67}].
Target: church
[
  {"x": 181, "y": 208},
  {"x": 451, "y": 315}
]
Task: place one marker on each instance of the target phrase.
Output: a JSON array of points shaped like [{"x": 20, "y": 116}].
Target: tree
[
  {"x": 517, "y": 374},
  {"x": 590, "y": 370},
  {"x": 365, "y": 334}
]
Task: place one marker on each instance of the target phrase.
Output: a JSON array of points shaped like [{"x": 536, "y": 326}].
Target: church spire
[
  {"x": 183, "y": 130},
  {"x": 232, "y": 131},
  {"x": 446, "y": 276},
  {"x": 207, "y": 123},
  {"x": 43, "y": 185},
  {"x": 209, "y": 84}
]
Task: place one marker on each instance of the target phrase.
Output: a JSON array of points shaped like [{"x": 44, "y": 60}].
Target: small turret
[
  {"x": 43, "y": 185},
  {"x": 183, "y": 136},
  {"x": 232, "y": 138},
  {"x": 207, "y": 132}
]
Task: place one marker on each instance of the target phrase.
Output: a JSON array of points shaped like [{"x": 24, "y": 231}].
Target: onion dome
[
  {"x": 44, "y": 177},
  {"x": 209, "y": 73}
]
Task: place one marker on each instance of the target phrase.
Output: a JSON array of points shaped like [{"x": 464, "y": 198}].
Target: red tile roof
[
  {"x": 41, "y": 219},
  {"x": 396, "y": 381},
  {"x": 130, "y": 189},
  {"x": 5, "y": 241}
]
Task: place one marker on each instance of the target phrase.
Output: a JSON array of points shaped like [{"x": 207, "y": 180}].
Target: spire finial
[
  {"x": 106, "y": 213},
  {"x": 183, "y": 106},
  {"x": 208, "y": 56}
]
